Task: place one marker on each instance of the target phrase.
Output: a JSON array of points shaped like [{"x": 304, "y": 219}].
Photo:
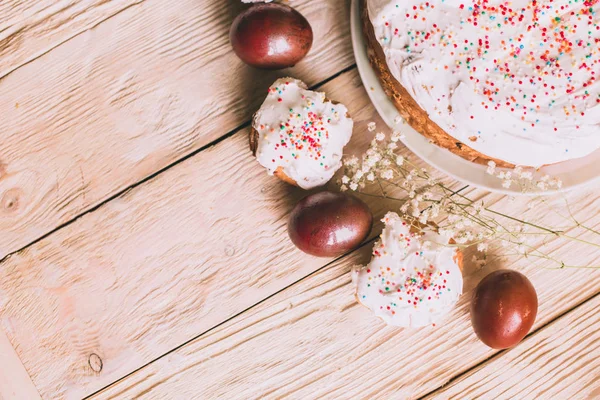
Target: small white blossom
[
  {"x": 528, "y": 175},
  {"x": 353, "y": 186},
  {"x": 404, "y": 208},
  {"x": 518, "y": 170},
  {"x": 392, "y": 146},
  {"x": 491, "y": 168},
  {"x": 506, "y": 183},
  {"x": 345, "y": 179},
  {"x": 399, "y": 160},
  {"x": 359, "y": 174},
  {"x": 542, "y": 185},
  {"x": 371, "y": 177},
  {"x": 351, "y": 162},
  {"x": 380, "y": 137},
  {"x": 371, "y": 126},
  {"x": 343, "y": 188},
  {"x": 386, "y": 163},
  {"x": 387, "y": 174},
  {"x": 481, "y": 247}
]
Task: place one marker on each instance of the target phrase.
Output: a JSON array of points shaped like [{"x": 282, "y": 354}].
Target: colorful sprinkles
[{"x": 528, "y": 57}]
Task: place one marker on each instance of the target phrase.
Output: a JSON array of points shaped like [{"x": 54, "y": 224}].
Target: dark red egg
[
  {"x": 271, "y": 36},
  {"x": 329, "y": 224},
  {"x": 503, "y": 308}
]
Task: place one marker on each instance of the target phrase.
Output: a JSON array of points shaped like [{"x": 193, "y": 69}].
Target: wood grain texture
[
  {"x": 561, "y": 361},
  {"x": 159, "y": 265},
  {"x": 313, "y": 340},
  {"x": 15, "y": 383},
  {"x": 128, "y": 98},
  {"x": 31, "y": 28}
]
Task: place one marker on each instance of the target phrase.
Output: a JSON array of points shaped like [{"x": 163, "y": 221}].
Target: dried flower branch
[{"x": 468, "y": 222}]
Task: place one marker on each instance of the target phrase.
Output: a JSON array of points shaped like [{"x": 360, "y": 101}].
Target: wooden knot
[
  {"x": 229, "y": 251},
  {"x": 11, "y": 200},
  {"x": 95, "y": 362}
]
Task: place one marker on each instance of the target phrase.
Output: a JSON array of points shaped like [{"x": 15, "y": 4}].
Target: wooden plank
[
  {"x": 14, "y": 381},
  {"x": 313, "y": 339},
  {"x": 31, "y": 28},
  {"x": 129, "y": 97},
  {"x": 561, "y": 361},
  {"x": 158, "y": 266}
]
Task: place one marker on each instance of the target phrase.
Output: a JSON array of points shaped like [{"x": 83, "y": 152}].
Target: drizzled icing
[
  {"x": 302, "y": 133},
  {"x": 412, "y": 280},
  {"x": 515, "y": 80}
]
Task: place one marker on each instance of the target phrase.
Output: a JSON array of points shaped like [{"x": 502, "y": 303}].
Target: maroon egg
[
  {"x": 329, "y": 224},
  {"x": 503, "y": 308},
  {"x": 271, "y": 36}
]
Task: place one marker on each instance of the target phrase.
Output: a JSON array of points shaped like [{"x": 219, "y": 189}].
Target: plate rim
[{"x": 426, "y": 150}]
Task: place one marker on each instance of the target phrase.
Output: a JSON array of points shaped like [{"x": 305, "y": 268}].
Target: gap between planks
[
  {"x": 501, "y": 353},
  {"x": 160, "y": 171},
  {"x": 135, "y": 94},
  {"x": 29, "y": 60},
  {"x": 527, "y": 345},
  {"x": 186, "y": 361}
]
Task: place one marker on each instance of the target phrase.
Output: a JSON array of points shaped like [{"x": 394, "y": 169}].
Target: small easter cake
[
  {"x": 299, "y": 135},
  {"x": 413, "y": 280}
]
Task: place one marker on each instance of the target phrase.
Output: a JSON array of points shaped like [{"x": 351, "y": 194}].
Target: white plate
[{"x": 573, "y": 173}]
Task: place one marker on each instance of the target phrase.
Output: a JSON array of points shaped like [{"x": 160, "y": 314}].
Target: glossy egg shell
[
  {"x": 329, "y": 224},
  {"x": 503, "y": 308},
  {"x": 271, "y": 36}
]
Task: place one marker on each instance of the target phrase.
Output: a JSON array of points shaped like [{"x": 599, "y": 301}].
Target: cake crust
[
  {"x": 408, "y": 108},
  {"x": 253, "y": 138}
]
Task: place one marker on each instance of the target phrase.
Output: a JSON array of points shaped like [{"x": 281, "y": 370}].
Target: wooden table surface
[{"x": 144, "y": 252}]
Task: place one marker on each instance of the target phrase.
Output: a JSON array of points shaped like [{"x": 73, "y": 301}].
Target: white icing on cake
[
  {"x": 514, "y": 80},
  {"x": 412, "y": 280},
  {"x": 302, "y": 133}
]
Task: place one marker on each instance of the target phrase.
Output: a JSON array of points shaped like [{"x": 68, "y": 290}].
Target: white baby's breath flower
[
  {"x": 481, "y": 247},
  {"x": 371, "y": 126},
  {"x": 399, "y": 160},
  {"x": 353, "y": 186},
  {"x": 491, "y": 168},
  {"x": 387, "y": 174},
  {"x": 351, "y": 162},
  {"x": 411, "y": 194},
  {"x": 395, "y": 136},
  {"x": 371, "y": 177},
  {"x": 359, "y": 174},
  {"x": 392, "y": 146},
  {"x": 343, "y": 188},
  {"x": 545, "y": 178},
  {"x": 527, "y": 175},
  {"x": 542, "y": 185},
  {"x": 385, "y": 162},
  {"x": 558, "y": 183},
  {"x": 506, "y": 183},
  {"x": 380, "y": 137},
  {"x": 404, "y": 208},
  {"x": 345, "y": 179},
  {"x": 518, "y": 170}
]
